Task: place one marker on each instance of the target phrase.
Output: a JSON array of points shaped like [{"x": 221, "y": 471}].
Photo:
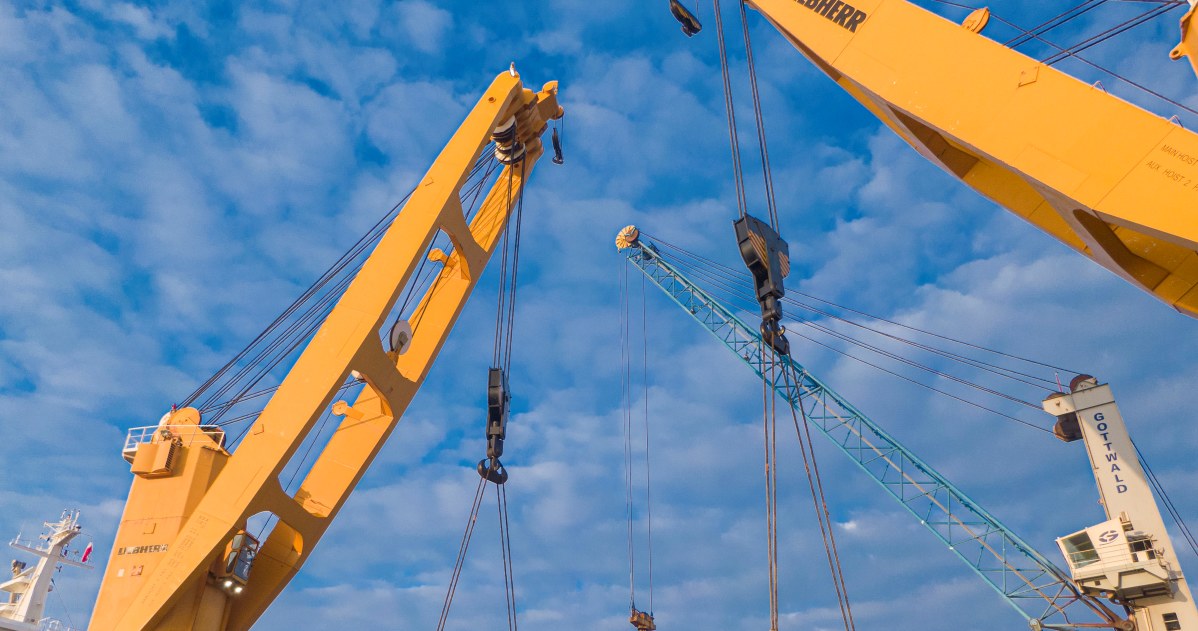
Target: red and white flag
[{"x": 87, "y": 552}]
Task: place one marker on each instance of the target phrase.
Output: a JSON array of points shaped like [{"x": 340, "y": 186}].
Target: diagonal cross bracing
[{"x": 1027, "y": 580}]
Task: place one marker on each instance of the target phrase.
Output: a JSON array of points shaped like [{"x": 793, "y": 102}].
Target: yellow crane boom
[
  {"x": 1110, "y": 180},
  {"x": 182, "y": 558}
]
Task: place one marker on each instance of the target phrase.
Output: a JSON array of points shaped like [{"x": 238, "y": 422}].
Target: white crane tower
[{"x": 1127, "y": 558}]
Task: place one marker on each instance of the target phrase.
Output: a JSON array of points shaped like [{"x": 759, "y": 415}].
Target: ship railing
[
  {"x": 26, "y": 544},
  {"x": 52, "y": 624},
  {"x": 184, "y": 433}
]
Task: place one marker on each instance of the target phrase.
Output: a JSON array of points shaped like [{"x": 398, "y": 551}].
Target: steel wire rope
[
  {"x": 1167, "y": 501},
  {"x": 899, "y": 375},
  {"x": 501, "y": 358},
  {"x": 992, "y": 368},
  {"x": 498, "y": 341},
  {"x": 768, "y": 411},
  {"x": 270, "y": 357},
  {"x": 737, "y": 172},
  {"x": 473, "y": 193},
  {"x": 349, "y": 260},
  {"x": 1111, "y": 73},
  {"x": 924, "y": 385},
  {"x": 626, "y": 413},
  {"x": 253, "y": 364},
  {"x": 61, "y": 603},
  {"x": 816, "y": 484},
  {"x": 312, "y": 441},
  {"x": 626, "y": 397},
  {"x": 645, "y": 396},
  {"x": 770, "y": 200},
  {"x": 1063, "y": 582},
  {"x": 995, "y": 369},
  {"x": 736, "y": 275},
  {"x": 743, "y": 301},
  {"x": 1122, "y": 27},
  {"x": 511, "y": 304},
  {"x": 505, "y": 536},
  {"x": 306, "y": 326},
  {"x": 914, "y": 364},
  {"x": 311, "y": 319},
  {"x": 463, "y": 546},
  {"x": 236, "y": 440},
  {"x": 506, "y": 359},
  {"x": 286, "y": 312},
  {"x": 769, "y": 420},
  {"x": 1053, "y": 22}
]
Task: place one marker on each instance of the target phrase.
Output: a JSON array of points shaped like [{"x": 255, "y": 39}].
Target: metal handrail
[{"x": 185, "y": 433}]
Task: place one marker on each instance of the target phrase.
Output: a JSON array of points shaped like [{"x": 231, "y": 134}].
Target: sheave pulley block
[
  {"x": 690, "y": 23},
  {"x": 498, "y": 400},
  {"x": 768, "y": 258}
]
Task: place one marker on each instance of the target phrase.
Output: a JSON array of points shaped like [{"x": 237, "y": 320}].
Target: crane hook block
[
  {"x": 557, "y": 148},
  {"x": 492, "y": 470},
  {"x": 690, "y": 23},
  {"x": 642, "y": 621},
  {"x": 498, "y": 399},
  {"x": 767, "y": 256}
]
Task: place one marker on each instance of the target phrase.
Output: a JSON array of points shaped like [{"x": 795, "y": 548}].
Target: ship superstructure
[{"x": 30, "y": 586}]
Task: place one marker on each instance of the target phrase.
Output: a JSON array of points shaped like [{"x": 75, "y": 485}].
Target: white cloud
[
  {"x": 424, "y": 24},
  {"x": 143, "y": 243},
  {"x": 143, "y": 21}
]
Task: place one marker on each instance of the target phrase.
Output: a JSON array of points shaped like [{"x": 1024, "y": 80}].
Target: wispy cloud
[{"x": 172, "y": 175}]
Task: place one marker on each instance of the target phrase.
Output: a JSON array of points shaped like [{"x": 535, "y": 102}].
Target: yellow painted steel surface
[
  {"x": 175, "y": 527},
  {"x": 1106, "y": 178}
]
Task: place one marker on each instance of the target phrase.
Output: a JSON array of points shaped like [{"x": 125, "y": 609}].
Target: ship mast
[{"x": 29, "y": 586}]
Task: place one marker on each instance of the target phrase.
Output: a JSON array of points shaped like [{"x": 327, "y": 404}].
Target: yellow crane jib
[
  {"x": 1115, "y": 182},
  {"x": 182, "y": 557}
]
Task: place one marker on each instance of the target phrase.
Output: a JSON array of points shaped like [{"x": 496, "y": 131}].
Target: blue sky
[{"x": 173, "y": 174}]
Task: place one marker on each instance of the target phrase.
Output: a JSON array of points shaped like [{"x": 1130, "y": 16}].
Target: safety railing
[{"x": 187, "y": 434}]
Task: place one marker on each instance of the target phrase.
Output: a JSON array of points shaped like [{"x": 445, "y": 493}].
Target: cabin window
[
  {"x": 1141, "y": 550},
  {"x": 1171, "y": 622},
  {"x": 1080, "y": 550}
]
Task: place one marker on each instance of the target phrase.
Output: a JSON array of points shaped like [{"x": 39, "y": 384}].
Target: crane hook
[
  {"x": 690, "y": 23},
  {"x": 557, "y": 148}
]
